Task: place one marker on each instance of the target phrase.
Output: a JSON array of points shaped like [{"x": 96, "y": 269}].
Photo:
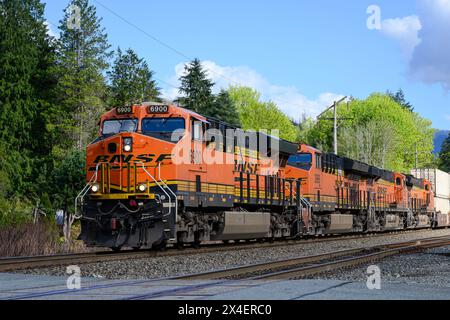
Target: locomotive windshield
[
  {"x": 111, "y": 127},
  {"x": 302, "y": 161},
  {"x": 162, "y": 128}
]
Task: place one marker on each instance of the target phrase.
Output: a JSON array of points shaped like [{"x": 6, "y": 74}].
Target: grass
[{"x": 42, "y": 238}]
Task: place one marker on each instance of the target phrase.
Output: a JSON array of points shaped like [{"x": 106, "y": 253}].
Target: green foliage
[
  {"x": 224, "y": 109},
  {"x": 196, "y": 89},
  {"x": 131, "y": 80},
  {"x": 257, "y": 115},
  {"x": 444, "y": 156},
  {"x": 379, "y": 131},
  {"x": 15, "y": 211},
  {"x": 26, "y": 87},
  {"x": 69, "y": 179}
]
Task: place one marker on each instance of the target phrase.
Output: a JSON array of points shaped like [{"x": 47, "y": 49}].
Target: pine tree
[
  {"x": 444, "y": 155},
  {"x": 196, "y": 89},
  {"x": 224, "y": 109},
  {"x": 399, "y": 97},
  {"x": 131, "y": 80},
  {"x": 83, "y": 55},
  {"x": 26, "y": 92}
]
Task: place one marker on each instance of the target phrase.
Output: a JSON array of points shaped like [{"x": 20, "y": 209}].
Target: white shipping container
[
  {"x": 442, "y": 205},
  {"x": 440, "y": 181}
]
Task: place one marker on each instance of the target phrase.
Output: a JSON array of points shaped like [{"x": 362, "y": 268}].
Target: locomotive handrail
[
  {"x": 170, "y": 190},
  {"x": 157, "y": 183},
  {"x": 85, "y": 190}
]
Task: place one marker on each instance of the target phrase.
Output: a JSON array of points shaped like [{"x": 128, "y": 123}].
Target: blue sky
[{"x": 301, "y": 54}]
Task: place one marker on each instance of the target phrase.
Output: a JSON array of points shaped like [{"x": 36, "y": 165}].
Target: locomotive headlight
[
  {"x": 95, "y": 187},
  {"x": 127, "y": 144},
  {"x": 142, "y": 187}
]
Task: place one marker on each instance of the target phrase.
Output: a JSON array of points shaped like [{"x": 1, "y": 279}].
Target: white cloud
[
  {"x": 289, "y": 99},
  {"x": 430, "y": 61},
  {"x": 424, "y": 39},
  {"x": 405, "y": 31}
]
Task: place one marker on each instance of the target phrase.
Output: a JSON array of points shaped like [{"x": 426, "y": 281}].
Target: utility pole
[
  {"x": 335, "y": 129},
  {"x": 416, "y": 155},
  {"x": 335, "y": 122}
]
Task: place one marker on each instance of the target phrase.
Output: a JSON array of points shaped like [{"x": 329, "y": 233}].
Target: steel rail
[
  {"x": 303, "y": 266},
  {"x": 20, "y": 263},
  {"x": 347, "y": 262}
]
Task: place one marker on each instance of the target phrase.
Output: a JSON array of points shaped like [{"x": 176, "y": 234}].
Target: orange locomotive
[
  {"x": 344, "y": 195},
  {"x": 159, "y": 173}
]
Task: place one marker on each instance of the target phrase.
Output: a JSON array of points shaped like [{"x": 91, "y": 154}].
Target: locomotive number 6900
[{"x": 158, "y": 109}]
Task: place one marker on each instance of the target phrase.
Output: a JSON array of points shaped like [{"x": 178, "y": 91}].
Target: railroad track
[
  {"x": 311, "y": 265},
  {"x": 21, "y": 263}
]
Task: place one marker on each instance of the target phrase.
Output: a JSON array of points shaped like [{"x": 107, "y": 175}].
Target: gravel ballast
[
  {"x": 160, "y": 267},
  {"x": 430, "y": 268}
]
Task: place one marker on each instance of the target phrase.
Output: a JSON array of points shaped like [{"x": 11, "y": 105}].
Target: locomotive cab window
[
  {"x": 318, "y": 161},
  {"x": 111, "y": 127},
  {"x": 197, "y": 128},
  {"x": 162, "y": 128},
  {"x": 302, "y": 161},
  {"x": 398, "y": 181}
]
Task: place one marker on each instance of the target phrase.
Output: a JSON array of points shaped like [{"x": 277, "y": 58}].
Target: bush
[{"x": 15, "y": 212}]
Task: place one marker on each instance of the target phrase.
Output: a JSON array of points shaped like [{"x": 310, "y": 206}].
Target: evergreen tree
[
  {"x": 131, "y": 80},
  {"x": 399, "y": 97},
  {"x": 83, "y": 59},
  {"x": 26, "y": 91},
  {"x": 223, "y": 108},
  {"x": 444, "y": 155},
  {"x": 196, "y": 89}
]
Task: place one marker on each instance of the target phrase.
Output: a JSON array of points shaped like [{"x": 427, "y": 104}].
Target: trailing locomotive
[
  {"x": 345, "y": 195},
  {"x": 160, "y": 173}
]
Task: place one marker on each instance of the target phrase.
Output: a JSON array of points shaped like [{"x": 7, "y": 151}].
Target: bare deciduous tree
[{"x": 372, "y": 142}]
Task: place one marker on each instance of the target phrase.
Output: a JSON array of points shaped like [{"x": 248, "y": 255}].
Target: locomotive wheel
[
  {"x": 196, "y": 243},
  {"x": 162, "y": 246},
  {"x": 116, "y": 249},
  {"x": 180, "y": 245}
]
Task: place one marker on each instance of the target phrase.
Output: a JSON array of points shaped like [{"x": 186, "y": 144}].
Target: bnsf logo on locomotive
[{"x": 146, "y": 158}]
